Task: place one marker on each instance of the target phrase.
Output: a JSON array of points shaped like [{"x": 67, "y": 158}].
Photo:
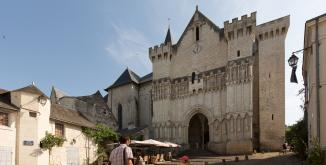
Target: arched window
[
  {"x": 197, "y": 34},
  {"x": 120, "y": 116},
  {"x": 193, "y": 76}
]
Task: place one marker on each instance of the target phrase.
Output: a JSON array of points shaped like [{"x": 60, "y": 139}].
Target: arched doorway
[{"x": 198, "y": 132}]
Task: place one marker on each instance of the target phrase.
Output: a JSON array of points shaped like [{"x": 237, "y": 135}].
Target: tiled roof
[
  {"x": 3, "y": 91},
  {"x": 70, "y": 116},
  {"x": 30, "y": 89},
  {"x": 5, "y": 102}
]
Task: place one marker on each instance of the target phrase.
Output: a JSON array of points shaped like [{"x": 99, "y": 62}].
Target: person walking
[{"x": 122, "y": 155}]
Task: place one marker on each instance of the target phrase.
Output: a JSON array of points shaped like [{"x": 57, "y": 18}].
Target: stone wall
[
  {"x": 128, "y": 97},
  {"x": 271, "y": 39},
  {"x": 145, "y": 104},
  {"x": 234, "y": 76}
]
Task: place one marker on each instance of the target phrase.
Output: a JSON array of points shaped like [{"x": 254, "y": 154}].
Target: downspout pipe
[{"x": 317, "y": 78}]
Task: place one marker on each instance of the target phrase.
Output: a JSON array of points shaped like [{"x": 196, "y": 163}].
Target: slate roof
[
  {"x": 95, "y": 98},
  {"x": 146, "y": 78},
  {"x": 69, "y": 116},
  {"x": 5, "y": 102},
  {"x": 126, "y": 77},
  {"x": 168, "y": 37}
]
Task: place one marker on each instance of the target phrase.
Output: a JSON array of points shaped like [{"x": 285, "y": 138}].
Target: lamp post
[{"x": 293, "y": 60}]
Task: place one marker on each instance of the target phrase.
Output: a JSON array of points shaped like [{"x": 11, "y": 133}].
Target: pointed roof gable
[
  {"x": 198, "y": 16},
  {"x": 30, "y": 89},
  {"x": 128, "y": 76},
  {"x": 57, "y": 94},
  {"x": 168, "y": 37},
  {"x": 95, "y": 98}
]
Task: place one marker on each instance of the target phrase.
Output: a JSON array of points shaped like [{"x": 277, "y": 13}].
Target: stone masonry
[{"x": 216, "y": 88}]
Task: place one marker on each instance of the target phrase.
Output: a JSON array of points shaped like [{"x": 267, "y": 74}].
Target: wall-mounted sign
[{"x": 28, "y": 143}]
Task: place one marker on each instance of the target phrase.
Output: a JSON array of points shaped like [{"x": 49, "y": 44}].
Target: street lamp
[{"x": 293, "y": 60}]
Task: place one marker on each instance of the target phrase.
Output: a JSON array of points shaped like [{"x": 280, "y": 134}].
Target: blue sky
[{"x": 81, "y": 46}]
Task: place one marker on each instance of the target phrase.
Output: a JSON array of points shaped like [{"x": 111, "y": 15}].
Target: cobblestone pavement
[{"x": 271, "y": 158}]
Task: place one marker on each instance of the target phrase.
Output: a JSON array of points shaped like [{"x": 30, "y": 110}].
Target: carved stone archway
[{"x": 198, "y": 132}]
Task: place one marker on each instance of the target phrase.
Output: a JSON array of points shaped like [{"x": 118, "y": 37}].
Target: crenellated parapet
[
  {"x": 273, "y": 29},
  {"x": 161, "y": 52},
  {"x": 238, "y": 28}
]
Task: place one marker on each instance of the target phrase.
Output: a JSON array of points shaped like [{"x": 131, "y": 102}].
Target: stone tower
[{"x": 216, "y": 88}]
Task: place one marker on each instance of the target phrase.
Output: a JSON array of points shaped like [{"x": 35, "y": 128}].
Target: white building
[{"x": 25, "y": 116}]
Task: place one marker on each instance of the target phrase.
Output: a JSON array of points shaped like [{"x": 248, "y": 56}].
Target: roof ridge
[
  {"x": 192, "y": 19},
  {"x": 127, "y": 76}
]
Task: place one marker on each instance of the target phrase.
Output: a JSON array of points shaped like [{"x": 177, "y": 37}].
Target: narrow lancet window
[
  {"x": 193, "y": 75},
  {"x": 197, "y": 34}
]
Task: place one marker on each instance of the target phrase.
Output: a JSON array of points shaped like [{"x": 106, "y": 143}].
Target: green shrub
[
  {"x": 101, "y": 135},
  {"x": 50, "y": 141},
  {"x": 315, "y": 156}
]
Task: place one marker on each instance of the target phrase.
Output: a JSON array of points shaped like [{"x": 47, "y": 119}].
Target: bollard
[
  {"x": 206, "y": 163},
  {"x": 236, "y": 159}
]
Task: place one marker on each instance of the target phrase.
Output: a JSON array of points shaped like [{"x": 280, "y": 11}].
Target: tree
[
  {"x": 50, "y": 141},
  {"x": 101, "y": 135}
]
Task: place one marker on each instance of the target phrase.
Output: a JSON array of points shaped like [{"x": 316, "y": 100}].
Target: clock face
[{"x": 196, "y": 49}]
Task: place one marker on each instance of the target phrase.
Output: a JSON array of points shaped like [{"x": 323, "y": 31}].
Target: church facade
[{"x": 216, "y": 88}]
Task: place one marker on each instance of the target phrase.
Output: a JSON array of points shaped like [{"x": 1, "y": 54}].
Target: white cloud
[{"x": 129, "y": 48}]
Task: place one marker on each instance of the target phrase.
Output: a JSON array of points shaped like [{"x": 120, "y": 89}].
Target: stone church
[{"x": 216, "y": 88}]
